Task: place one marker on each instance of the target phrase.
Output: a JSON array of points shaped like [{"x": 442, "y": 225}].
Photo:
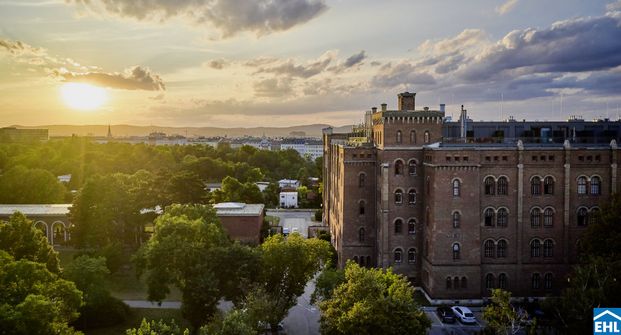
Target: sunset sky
[{"x": 241, "y": 63}]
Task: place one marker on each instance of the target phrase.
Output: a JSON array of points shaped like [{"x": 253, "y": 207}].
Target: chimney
[
  {"x": 407, "y": 101},
  {"x": 374, "y": 109},
  {"x": 384, "y": 107},
  {"x": 442, "y": 108}
]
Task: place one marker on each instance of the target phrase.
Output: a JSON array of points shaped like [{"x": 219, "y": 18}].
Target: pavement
[
  {"x": 150, "y": 304},
  {"x": 457, "y": 328},
  {"x": 299, "y": 219}
]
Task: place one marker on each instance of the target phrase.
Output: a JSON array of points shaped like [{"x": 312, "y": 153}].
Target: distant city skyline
[{"x": 279, "y": 63}]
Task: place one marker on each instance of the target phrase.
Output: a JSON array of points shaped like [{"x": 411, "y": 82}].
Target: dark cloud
[
  {"x": 218, "y": 64},
  {"x": 230, "y": 17},
  {"x": 403, "y": 73},
  {"x": 273, "y": 88},
  {"x": 134, "y": 78},
  {"x": 355, "y": 59},
  {"x": 291, "y": 69}
]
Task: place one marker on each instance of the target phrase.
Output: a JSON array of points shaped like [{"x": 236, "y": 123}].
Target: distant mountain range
[{"x": 122, "y": 130}]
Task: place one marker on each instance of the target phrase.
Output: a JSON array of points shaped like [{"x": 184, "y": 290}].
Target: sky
[{"x": 241, "y": 63}]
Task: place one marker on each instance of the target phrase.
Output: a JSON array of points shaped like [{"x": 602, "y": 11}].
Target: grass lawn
[{"x": 136, "y": 316}]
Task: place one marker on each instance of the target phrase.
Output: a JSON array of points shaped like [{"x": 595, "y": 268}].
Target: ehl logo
[{"x": 606, "y": 321}]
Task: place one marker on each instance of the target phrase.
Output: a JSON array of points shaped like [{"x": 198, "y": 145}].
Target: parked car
[
  {"x": 446, "y": 314},
  {"x": 285, "y": 231},
  {"x": 464, "y": 314}
]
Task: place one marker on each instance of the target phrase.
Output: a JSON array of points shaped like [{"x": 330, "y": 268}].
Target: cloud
[
  {"x": 404, "y": 73},
  {"x": 273, "y": 88},
  {"x": 307, "y": 70},
  {"x": 230, "y": 17},
  {"x": 506, "y": 7},
  {"x": 133, "y": 78},
  {"x": 351, "y": 61},
  {"x": 614, "y": 6},
  {"x": 19, "y": 48},
  {"x": 218, "y": 64}
]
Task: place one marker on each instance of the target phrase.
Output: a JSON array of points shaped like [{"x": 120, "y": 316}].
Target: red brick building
[
  {"x": 242, "y": 222},
  {"x": 463, "y": 207}
]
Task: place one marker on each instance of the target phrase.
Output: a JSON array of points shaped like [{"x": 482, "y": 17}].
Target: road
[
  {"x": 298, "y": 219},
  {"x": 457, "y": 328}
]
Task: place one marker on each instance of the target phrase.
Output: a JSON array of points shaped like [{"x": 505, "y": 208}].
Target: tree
[
  {"x": 20, "y": 185},
  {"x": 234, "y": 191},
  {"x": 288, "y": 264},
  {"x": 329, "y": 279},
  {"x": 22, "y": 240},
  {"x": 159, "y": 327},
  {"x": 372, "y": 301},
  {"x": 603, "y": 238},
  {"x": 235, "y": 322},
  {"x": 183, "y": 187},
  {"x": 501, "y": 316},
  {"x": 34, "y": 300}
]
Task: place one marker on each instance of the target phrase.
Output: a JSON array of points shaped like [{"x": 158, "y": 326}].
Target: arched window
[
  {"x": 361, "y": 207},
  {"x": 582, "y": 216},
  {"x": 489, "y": 217},
  {"x": 399, "y": 168},
  {"x": 427, "y": 137},
  {"x": 502, "y": 281},
  {"x": 547, "y": 281},
  {"x": 398, "y": 253},
  {"x": 594, "y": 215},
  {"x": 456, "y": 219},
  {"x": 582, "y": 185},
  {"x": 535, "y": 218},
  {"x": 489, "y": 281},
  {"x": 412, "y": 167},
  {"x": 456, "y": 282},
  {"x": 548, "y": 185},
  {"x": 456, "y": 251},
  {"x": 449, "y": 282},
  {"x": 503, "y": 186},
  {"x": 412, "y": 256},
  {"x": 548, "y": 248},
  {"x": 456, "y": 187},
  {"x": 412, "y": 197},
  {"x": 490, "y": 248},
  {"x": 356, "y": 259},
  {"x": 361, "y": 235},
  {"x": 413, "y": 137},
  {"x": 502, "y": 217},
  {"x": 490, "y": 186},
  {"x": 596, "y": 186},
  {"x": 369, "y": 261},
  {"x": 535, "y": 248},
  {"x": 535, "y": 186},
  {"x": 398, "y": 197},
  {"x": 501, "y": 249},
  {"x": 548, "y": 217},
  {"x": 361, "y": 179},
  {"x": 412, "y": 227},
  {"x": 398, "y": 226},
  {"x": 361, "y": 260},
  {"x": 536, "y": 281},
  {"x": 399, "y": 138},
  {"x": 464, "y": 282}
]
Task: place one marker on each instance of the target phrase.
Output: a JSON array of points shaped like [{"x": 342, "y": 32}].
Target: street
[{"x": 295, "y": 220}]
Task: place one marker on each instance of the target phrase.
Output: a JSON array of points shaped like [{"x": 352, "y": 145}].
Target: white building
[
  {"x": 305, "y": 147},
  {"x": 289, "y": 199},
  {"x": 288, "y": 183}
]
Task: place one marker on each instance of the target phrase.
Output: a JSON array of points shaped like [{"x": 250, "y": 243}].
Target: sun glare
[{"x": 83, "y": 96}]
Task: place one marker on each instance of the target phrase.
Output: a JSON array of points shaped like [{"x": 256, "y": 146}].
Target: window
[
  {"x": 489, "y": 248},
  {"x": 398, "y": 226},
  {"x": 398, "y": 168},
  {"x": 412, "y": 227},
  {"x": 535, "y": 218},
  {"x": 582, "y": 185},
  {"x": 489, "y": 217},
  {"x": 398, "y": 253},
  {"x": 548, "y": 248},
  {"x": 398, "y": 197},
  {"x": 399, "y": 137},
  {"x": 361, "y": 208},
  {"x": 369, "y": 261},
  {"x": 412, "y": 256},
  {"x": 548, "y": 185},
  {"x": 412, "y": 197},
  {"x": 456, "y": 219},
  {"x": 501, "y": 249},
  {"x": 427, "y": 137},
  {"x": 582, "y": 216},
  {"x": 361, "y": 235},
  {"x": 456, "y": 282},
  {"x": 594, "y": 216},
  {"x": 412, "y": 167},
  {"x": 413, "y": 137},
  {"x": 535, "y": 248},
  {"x": 361, "y": 180},
  {"x": 456, "y": 187},
  {"x": 464, "y": 282},
  {"x": 547, "y": 281},
  {"x": 356, "y": 259},
  {"x": 548, "y": 217},
  {"x": 503, "y": 186},
  {"x": 502, "y": 281},
  {"x": 536, "y": 281},
  {"x": 490, "y": 186},
  {"x": 502, "y": 217},
  {"x": 456, "y": 251},
  {"x": 361, "y": 260},
  {"x": 535, "y": 186},
  {"x": 596, "y": 186},
  {"x": 449, "y": 283},
  {"x": 489, "y": 281}
]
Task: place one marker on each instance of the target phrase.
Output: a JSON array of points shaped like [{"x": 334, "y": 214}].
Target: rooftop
[
  {"x": 238, "y": 209},
  {"x": 52, "y": 209}
]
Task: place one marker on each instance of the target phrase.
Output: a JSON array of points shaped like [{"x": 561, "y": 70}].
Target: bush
[{"x": 105, "y": 312}]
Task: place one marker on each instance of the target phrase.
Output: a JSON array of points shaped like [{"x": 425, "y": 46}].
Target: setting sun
[{"x": 83, "y": 96}]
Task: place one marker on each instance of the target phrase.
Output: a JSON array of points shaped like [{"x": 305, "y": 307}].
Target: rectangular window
[{"x": 504, "y": 158}]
